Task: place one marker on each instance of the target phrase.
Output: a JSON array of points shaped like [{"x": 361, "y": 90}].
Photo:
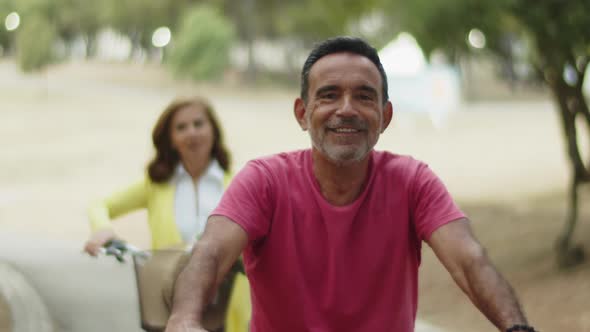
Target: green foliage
[
  {"x": 201, "y": 47},
  {"x": 551, "y": 26},
  {"x": 305, "y": 20},
  {"x": 560, "y": 30},
  {"x": 445, "y": 24},
  {"x": 77, "y": 17},
  {"x": 317, "y": 20},
  {"x": 6, "y": 37},
  {"x": 437, "y": 24},
  {"x": 138, "y": 19},
  {"x": 71, "y": 18},
  {"x": 35, "y": 42}
]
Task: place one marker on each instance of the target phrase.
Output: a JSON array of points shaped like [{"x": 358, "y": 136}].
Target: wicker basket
[{"x": 155, "y": 273}]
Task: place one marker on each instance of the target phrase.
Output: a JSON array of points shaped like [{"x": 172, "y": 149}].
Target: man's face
[{"x": 344, "y": 113}]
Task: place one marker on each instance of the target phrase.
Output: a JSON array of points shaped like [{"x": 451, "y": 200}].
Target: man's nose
[{"x": 347, "y": 108}]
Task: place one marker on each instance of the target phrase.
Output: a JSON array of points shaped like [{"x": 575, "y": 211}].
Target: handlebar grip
[
  {"x": 117, "y": 244},
  {"x": 116, "y": 248}
]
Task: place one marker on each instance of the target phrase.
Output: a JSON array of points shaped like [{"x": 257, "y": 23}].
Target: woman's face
[{"x": 191, "y": 132}]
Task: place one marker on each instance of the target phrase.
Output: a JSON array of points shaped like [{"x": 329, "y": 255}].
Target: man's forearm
[
  {"x": 196, "y": 284},
  {"x": 492, "y": 294},
  {"x": 466, "y": 260}
]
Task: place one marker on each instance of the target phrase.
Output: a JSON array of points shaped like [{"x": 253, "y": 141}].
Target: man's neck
[{"x": 340, "y": 184}]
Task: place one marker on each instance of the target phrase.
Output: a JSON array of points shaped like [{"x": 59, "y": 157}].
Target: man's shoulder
[
  {"x": 389, "y": 161},
  {"x": 396, "y": 168},
  {"x": 282, "y": 160}
]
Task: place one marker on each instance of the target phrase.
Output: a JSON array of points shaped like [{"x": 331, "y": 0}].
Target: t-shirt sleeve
[
  {"x": 248, "y": 201},
  {"x": 432, "y": 204}
]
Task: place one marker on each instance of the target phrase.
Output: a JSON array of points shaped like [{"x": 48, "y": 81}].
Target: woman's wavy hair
[{"x": 161, "y": 168}]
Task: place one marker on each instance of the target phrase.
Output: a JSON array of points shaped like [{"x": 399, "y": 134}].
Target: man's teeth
[{"x": 345, "y": 130}]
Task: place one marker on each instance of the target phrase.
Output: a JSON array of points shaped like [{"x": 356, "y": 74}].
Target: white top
[{"x": 195, "y": 200}]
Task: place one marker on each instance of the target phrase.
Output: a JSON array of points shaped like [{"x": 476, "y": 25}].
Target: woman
[{"x": 184, "y": 183}]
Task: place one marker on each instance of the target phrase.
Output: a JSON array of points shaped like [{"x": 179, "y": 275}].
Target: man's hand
[{"x": 98, "y": 240}]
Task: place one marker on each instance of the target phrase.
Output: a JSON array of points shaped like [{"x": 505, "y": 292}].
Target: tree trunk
[
  {"x": 136, "y": 47},
  {"x": 571, "y": 103},
  {"x": 585, "y": 113},
  {"x": 250, "y": 32},
  {"x": 90, "y": 41}
]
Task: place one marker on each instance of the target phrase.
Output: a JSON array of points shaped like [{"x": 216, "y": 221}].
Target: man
[{"x": 331, "y": 236}]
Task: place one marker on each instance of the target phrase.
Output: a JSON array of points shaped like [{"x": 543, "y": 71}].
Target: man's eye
[
  {"x": 366, "y": 97},
  {"x": 328, "y": 96}
]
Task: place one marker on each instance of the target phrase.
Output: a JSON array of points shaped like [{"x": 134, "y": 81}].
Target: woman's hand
[{"x": 98, "y": 240}]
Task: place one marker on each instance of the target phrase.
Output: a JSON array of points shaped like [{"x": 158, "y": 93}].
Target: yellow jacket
[{"x": 158, "y": 199}]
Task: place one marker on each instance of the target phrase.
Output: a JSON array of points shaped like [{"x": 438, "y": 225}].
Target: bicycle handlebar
[{"x": 119, "y": 249}]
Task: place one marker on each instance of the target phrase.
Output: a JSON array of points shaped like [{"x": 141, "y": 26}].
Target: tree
[
  {"x": 201, "y": 48},
  {"x": 301, "y": 22},
  {"x": 6, "y": 37},
  {"x": 78, "y": 18},
  {"x": 35, "y": 43},
  {"x": 137, "y": 19},
  {"x": 317, "y": 20},
  {"x": 559, "y": 34},
  {"x": 71, "y": 18}
]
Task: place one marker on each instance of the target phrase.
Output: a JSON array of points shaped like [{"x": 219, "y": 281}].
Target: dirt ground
[
  {"x": 81, "y": 130},
  {"x": 520, "y": 240}
]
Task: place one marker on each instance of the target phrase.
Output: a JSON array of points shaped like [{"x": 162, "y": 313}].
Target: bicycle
[{"x": 155, "y": 274}]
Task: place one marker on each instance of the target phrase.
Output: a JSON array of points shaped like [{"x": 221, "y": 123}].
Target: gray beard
[{"x": 340, "y": 159}]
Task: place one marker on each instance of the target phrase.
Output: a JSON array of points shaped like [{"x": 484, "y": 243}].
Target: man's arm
[
  {"x": 212, "y": 257},
  {"x": 463, "y": 256}
]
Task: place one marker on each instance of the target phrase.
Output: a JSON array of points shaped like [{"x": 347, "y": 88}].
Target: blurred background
[{"x": 492, "y": 94}]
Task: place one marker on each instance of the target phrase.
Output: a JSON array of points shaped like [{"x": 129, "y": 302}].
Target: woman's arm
[{"x": 101, "y": 212}]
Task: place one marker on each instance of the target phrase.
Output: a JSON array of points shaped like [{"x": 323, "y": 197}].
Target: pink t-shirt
[{"x": 317, "y": 267}]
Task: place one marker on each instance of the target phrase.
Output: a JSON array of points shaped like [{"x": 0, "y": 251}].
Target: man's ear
[
  {"x": 387, "y": 115},
  {"x": 299, "y": 112}
]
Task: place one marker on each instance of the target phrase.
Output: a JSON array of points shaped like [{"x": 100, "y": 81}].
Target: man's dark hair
[{"x": 338, "y": 45}]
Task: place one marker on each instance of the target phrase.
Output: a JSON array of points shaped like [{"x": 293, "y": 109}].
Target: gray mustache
[{"x": 354, "y": 123}]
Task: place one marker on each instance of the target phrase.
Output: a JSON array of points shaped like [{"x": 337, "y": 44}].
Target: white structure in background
[
  {"x": 112, "y": 46},
  {"x": 415, "y": 85},
  {"x": 271, "y": 55}
]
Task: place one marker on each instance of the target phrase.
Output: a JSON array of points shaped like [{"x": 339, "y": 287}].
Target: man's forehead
[{"x": 344, "y": 62}]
